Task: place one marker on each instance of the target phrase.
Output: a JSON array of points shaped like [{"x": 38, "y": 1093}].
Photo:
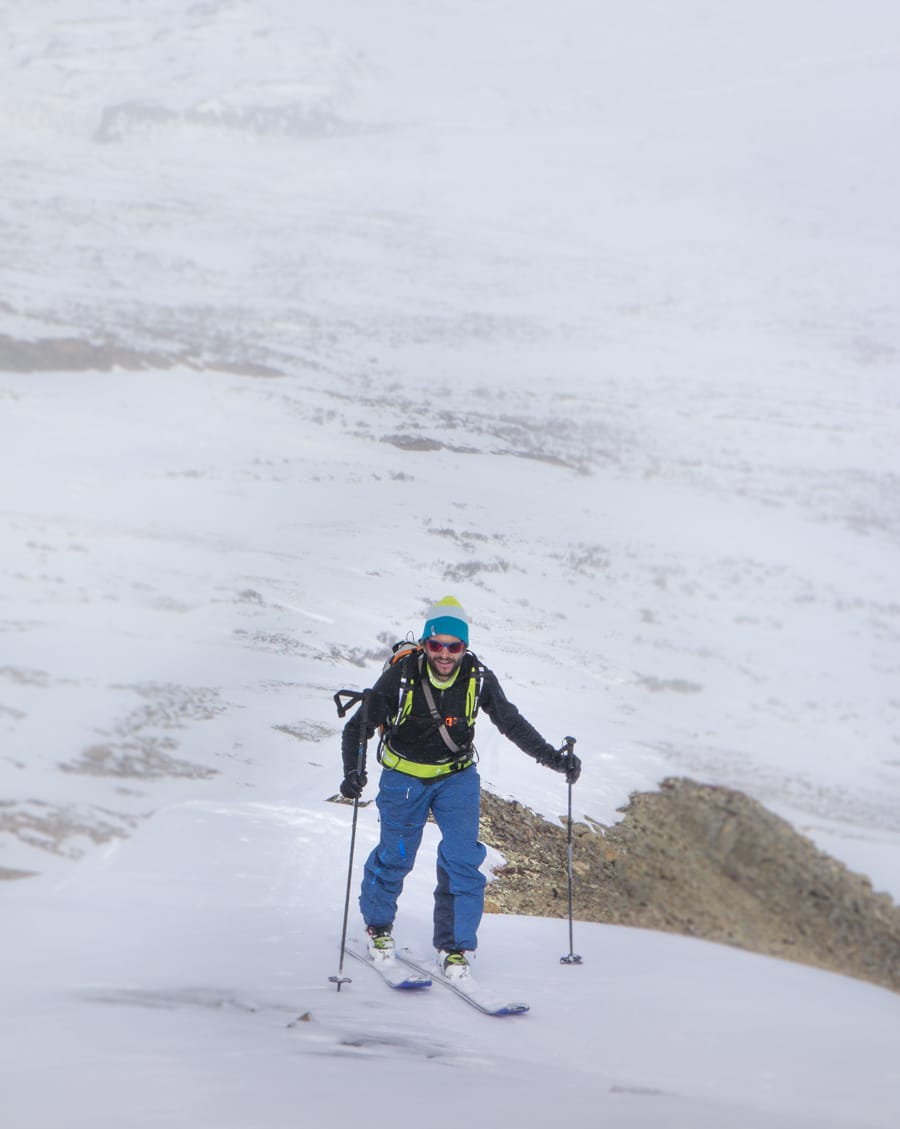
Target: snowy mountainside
[
  {"x": 312, "y": 314},
  {"x": 256, "y": 587}
]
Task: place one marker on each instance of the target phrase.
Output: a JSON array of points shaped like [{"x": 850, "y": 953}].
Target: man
[{"x": 427, "y": 703}]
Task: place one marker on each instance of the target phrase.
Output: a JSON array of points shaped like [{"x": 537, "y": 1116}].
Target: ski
[
  {"x": 391, "y": 972},
  {"x": 475, "y": 994}
]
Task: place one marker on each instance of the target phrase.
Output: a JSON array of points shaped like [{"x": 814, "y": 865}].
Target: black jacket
[{"x": 418, "y": 738}]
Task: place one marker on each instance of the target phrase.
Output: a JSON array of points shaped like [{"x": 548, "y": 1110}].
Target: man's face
[{"x": 445, "y": 653}]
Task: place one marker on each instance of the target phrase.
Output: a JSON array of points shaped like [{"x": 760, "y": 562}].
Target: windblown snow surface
[{"x": 312, "y": 313}]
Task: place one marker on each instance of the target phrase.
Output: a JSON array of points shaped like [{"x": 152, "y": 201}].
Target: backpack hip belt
[{"x": 390, "y": 759}]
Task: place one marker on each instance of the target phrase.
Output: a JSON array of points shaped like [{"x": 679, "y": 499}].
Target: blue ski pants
[{"x": 404, "y": 803}]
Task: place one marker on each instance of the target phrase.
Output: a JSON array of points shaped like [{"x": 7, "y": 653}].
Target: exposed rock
[
  {"x": 703, "y": 861},
  {"x": 6, "y": 873},
  {"x": 75, "y": 354}
]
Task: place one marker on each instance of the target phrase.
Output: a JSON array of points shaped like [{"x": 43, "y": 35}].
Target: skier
[{"x": 426, "y": 703}]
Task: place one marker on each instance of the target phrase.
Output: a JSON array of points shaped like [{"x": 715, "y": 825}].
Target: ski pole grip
[
  {"x": 351, "y": 696},
  {"x": 568, "y": 747}
]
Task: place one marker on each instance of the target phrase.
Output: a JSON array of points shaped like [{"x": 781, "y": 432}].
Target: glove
[
  {"x": 353, "y": 783},
  {"x": 561, "y": 761},
  {"x": 573, "y": 768}
]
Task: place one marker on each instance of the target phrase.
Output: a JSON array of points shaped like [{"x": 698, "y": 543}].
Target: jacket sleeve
[
  {"x": 382, "y": 703},
  {"x": 511, "y": 723}
]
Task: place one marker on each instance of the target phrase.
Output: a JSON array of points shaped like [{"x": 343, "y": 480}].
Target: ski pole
[
  {"x": 572, "y": 958},
  {"x": 342, "y": 707}
]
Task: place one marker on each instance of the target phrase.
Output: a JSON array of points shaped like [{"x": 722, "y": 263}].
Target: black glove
[
  {"x": 562, "y": 761},
  {"x": 573, "y": 768},
  {"x": 353, "y": 783}
]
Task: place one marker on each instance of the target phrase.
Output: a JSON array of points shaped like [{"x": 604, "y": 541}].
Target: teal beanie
[{"x": 447, "y": 617}]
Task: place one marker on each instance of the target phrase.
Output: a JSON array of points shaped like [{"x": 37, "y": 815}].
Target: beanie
[{"x": 447, "y": 617}]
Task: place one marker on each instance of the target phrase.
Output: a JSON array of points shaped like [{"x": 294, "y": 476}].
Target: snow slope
[{"x": 587, "y": 315}]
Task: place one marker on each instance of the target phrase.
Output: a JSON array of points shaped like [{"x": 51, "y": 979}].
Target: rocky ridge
[{"x": 703, "y": 861}]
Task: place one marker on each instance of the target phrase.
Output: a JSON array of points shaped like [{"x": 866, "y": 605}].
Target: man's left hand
[{"x": 561, "y": 760}]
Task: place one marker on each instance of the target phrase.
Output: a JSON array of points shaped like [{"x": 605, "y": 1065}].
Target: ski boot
[
  {"x": 380, "y": 943},
  {"x": 453, "y": 964}
]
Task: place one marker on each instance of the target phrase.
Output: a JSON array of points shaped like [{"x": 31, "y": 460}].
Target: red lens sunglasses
[{"x": 435, "y": 646}]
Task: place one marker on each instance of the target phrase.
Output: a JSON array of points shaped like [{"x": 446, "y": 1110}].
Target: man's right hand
[{"x": 353, "y": 783}]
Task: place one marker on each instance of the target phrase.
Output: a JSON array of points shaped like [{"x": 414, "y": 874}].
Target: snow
[{"x": 585, "y": 314}]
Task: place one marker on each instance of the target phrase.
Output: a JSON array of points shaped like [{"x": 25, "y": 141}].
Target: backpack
[{"x": 411, "y": 654}]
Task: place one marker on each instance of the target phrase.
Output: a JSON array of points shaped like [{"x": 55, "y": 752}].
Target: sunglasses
[{"x": 435, "y": 647}]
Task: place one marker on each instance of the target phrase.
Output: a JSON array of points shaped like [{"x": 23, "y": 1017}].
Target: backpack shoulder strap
[
  {"x": 405, "y": 655},
  {"x": 476, "y": 682}
]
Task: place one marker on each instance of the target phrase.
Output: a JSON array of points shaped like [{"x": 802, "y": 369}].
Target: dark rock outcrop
[{"x": 703, "y": 861}]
